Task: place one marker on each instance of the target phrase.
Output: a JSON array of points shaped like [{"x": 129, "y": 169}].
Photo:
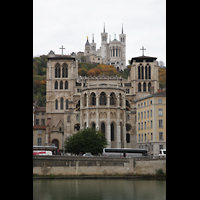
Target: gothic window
[
  {"x": 66, "y": 85},
  {"x": 128, "y": 106},
  {"x": 78, "y": 106},
  {"x": 139, "y": 87},
  {"x": 61, "y": 103},
  {"x": 149, "y": 85},
  {"x": 120, "y": 99},
  {"x": 142, "y": 73},
  {"x": 145, "y": 72},
  {"x": 103, "y": 128},
  {"x": 56, "y": 85},
  {"x": 61, "y": 85},
  {"x": 113, "y": 52},
  {"x": 138, "y": 72},
  {"x": 64, "y": 70},
  {"x": 103, "y": 98},
  {"x": 57, "y": 70},
  {"x": 56, "y": 104},
  {"x": 149, "y": 72},
  {"x": 93, "y": 125},
  {"x": 128, "y": 138},
  {"x": 93, "y": 99},
  {"x": 85, "y": 100},
  {"x": 112, "y": 132},
  {"x": 112, "y": 99},
  {"x": 144, "y": 87},
  {"x": 67, "y": 104}
]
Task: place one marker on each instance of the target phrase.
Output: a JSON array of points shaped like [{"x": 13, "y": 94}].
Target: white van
[
  {"x": 42, "y": 153},
  {"x": 162, "y": 153}
]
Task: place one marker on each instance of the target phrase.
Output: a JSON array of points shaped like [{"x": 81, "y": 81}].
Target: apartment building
[{"x": 151, "y": 122}]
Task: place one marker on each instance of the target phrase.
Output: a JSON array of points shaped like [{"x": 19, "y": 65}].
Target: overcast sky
[{"x": 68, "y": 23}]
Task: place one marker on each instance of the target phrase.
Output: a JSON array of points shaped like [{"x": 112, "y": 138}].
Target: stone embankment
[{"x": 96, "y": 166}]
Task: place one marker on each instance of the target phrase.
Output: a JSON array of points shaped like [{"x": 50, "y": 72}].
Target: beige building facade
[{"x": 103, "y": 102}]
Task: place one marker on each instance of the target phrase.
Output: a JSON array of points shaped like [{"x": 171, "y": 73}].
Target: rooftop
[
  {"x": 158, "y": 94},
  {"x": 141, "y": 58}
]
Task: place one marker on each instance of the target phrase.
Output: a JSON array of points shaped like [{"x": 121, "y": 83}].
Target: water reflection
[{"x": 94, "y": 189}]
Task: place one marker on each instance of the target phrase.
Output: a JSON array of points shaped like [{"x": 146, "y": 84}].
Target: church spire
[{"x": 104, "y": 28}]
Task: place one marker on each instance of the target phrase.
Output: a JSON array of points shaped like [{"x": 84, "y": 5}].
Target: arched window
[
  {"x": 64, "y": 70},
  {"x": 61, "y": 85},
  {"x": 113, "y": 52},
  {"x": 145, "y": 72},
  {"x": 103, "y": 98},
  {"x": 56, "y": 85},
  {"x": 128, "y": 138},
  {"x": 93, "y": 99},
  {"x": 103, "y": 128},
  {"x": 138, "y": 72},
  {"x": 128, "y": 106},
  {"x": 56, "y": 104},
  {"x": 142, "y": 72},
  {"x": 144, "y": 87},
  {"x": 78, "y": 106},
  {"x": 139, "y": 87},
  {"x": 149, "y": 72},
  {"x": 67, "y": 104},
  {"x": 66, "y": 84},
  {"x": 112, "y": 132},
  {"x": 57, "y": 70},
  {"x": 112, "y": 99},
  {"x": 61, "y": 103},
  {"x": 149, "y": 85},
  {"x": 85, "y": 100},
  {"x": 93, "y": 125},
  {"x": 120, "y": 100}
]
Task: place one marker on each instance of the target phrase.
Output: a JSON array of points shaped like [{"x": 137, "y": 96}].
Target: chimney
[{"x": 151, "y": 89}]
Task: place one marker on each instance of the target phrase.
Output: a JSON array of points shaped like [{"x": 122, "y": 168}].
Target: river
[{"x": 99, "y": 189}]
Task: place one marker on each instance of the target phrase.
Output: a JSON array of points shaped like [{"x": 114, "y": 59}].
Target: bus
[
  {"x": 124, "y": 152},
  {"x": 44, "y": 150},
  {"x": 162, "y": 153}
]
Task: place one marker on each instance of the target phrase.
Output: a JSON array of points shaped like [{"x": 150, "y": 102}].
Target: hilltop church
[
  {"x": 103, "y": 102},
  {"x": 109, "y": 53}
]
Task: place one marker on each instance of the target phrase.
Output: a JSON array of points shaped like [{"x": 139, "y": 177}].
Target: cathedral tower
[
  {"x": 122, "y": 39},
  {"x": 104, "y": 37},
  {"x": 87, "y": 48}
]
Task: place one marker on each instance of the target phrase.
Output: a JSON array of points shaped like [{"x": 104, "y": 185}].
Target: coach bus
[
  {"x": 124, "y": 152},
  {"x": 44, "y": 150}
]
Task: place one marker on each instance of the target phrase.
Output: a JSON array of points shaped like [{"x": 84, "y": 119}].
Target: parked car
[{"x": 87, "y": 154}]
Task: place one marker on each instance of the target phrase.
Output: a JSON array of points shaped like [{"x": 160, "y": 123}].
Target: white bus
[
  {"x": 42, "y": 153},
  {"x": 162, "y": 153},
  {"x": 124, "y": 152}
]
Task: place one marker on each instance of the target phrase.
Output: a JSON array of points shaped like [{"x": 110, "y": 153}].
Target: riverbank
[{"x": 138, "y": 176}]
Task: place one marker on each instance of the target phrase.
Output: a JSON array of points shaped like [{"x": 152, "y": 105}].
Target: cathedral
[
  {"x": 103, "y": 102},
  {"x": 109, "y": 53}
]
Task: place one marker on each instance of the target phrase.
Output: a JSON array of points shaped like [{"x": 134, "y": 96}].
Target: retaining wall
[{"x": 65, "y": 165}]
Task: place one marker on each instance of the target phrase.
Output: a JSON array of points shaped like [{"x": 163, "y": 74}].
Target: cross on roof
[
  {"x": 142, "y": 50},
  {"x": 62, "y": 49}
]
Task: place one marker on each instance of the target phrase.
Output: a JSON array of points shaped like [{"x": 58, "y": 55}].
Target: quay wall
[{"x": 70, "y": 165}]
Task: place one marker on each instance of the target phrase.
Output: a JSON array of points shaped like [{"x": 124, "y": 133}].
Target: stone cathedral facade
[{"x": 103, "y": 102}]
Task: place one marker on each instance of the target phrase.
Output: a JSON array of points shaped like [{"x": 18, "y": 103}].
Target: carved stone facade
[{"x": 103, "y": 102}]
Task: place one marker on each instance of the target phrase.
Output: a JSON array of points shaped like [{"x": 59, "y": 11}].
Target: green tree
[{"x": 86, "y": 140}]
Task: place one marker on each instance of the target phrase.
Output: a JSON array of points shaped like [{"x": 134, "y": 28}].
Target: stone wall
[{"x": 63, "y": 165}]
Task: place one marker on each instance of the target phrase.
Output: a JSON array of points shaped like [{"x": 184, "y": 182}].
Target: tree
[
  {"x": 86, "y": 140},
  {"x": 82, "y": 72}
]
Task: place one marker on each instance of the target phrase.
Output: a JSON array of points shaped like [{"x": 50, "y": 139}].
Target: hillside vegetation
[{"x": 84, "y": 69}]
